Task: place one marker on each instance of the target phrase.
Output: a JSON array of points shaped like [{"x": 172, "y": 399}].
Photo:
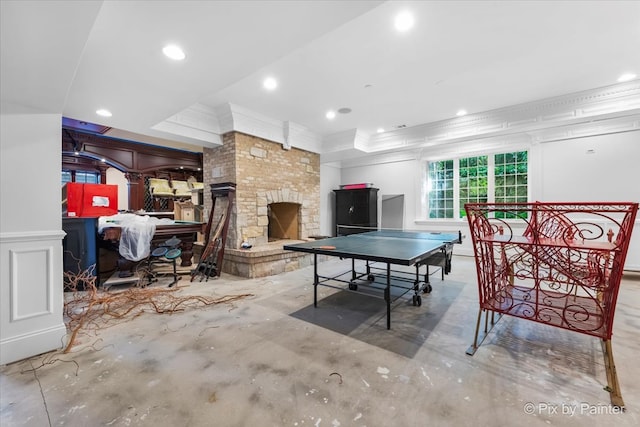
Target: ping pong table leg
[
  {"x": 387, "y": 296},
  {"x": 417, "y": 299},
  {"x": 315, "y": 279}
]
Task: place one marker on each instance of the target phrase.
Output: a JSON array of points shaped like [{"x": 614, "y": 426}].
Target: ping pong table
[{"x": 389, "y": 247}]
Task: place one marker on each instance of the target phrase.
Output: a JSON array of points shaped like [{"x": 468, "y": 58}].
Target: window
[
  {"x": 80, "y": 176},
  {"x": 473, "y": 181},
  {"x": 511, "y": 180},
  {"x": 511, "y": 177},
  {"x": 441, "y": 176},
  {"x": 452, "y": 183},
  {"x": 88, "y": 177},
  {"x": 66, "y": 177}
]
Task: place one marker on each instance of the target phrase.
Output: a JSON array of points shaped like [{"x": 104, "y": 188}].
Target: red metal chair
[{"x": 562, "y": 270}]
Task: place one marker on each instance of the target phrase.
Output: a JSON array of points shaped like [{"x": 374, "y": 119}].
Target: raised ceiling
[{"x": 72, "y": 58}]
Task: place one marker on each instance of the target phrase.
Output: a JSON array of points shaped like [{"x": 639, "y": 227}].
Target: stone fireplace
[{"x": 277, "y": 199}]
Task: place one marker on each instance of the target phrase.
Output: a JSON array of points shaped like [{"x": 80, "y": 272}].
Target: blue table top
[{"x": 396, "y": 247}]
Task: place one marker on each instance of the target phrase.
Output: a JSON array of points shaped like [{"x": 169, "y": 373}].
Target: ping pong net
[{"x": 453, "y": 236}]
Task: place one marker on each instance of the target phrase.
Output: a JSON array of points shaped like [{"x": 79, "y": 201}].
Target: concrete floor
[{"x": 274, "y": 360}]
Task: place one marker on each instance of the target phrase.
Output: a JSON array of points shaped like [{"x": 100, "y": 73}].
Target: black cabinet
[
  {"x": 356, "y": 210},
  {"x": 79, "y": 248}
]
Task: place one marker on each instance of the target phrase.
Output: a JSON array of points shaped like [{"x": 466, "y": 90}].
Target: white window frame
[{"x": 426, "y": 184}]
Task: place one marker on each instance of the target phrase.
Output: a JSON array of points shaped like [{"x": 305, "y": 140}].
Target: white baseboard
[{"x": 33, "y": 343}]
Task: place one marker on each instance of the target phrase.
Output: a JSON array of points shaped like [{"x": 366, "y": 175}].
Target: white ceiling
[{"x": 71, "y": 58}]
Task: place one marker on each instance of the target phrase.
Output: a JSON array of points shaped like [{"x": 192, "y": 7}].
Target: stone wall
[
  {"x": 219, "y": 165},
  {"x": 264, "y": 173}
]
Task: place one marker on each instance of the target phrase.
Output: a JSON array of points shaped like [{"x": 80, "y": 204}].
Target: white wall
[
  {"x": 32, "y": 141},
  {"x": 116, "y": 177},
  {"x": 568, "y": 172},
  {"x": 391, "y": 178},
  {"x": 559, "y": 171},
  {"x": 329, "y": 181},
  {"x": 31, "y": 289},
  {"x": 599, "y": 168}
]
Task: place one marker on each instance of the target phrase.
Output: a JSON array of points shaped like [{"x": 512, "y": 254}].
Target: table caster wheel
[
  {"x": 427, "y": 289},
  {"x": 353, "y": 286},
  {"x": 371, "y": 278},
  {"x": 414, "y": 301},
  {"x": 418, "y": 300},
  {"x": 416, "y": 285}
]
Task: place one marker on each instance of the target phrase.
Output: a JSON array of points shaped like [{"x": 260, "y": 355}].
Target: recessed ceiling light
[
  {"x": 104, "y": 113},
  {"x": 626, "y": 77},
  {"x": 174, "y": 52},
  {"x": 270, "y": 83},
  {"x": 331, "y": 115},
  {"x": 404, "y": 21},
  {"x": 461, "y": 113},
  {"x": 380, "y": 130}
]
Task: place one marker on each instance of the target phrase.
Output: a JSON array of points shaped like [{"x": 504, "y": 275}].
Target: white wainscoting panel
[
  {"x": 30, "y": 288},
  {"x": 633, "y": 255},
  {"x": 31, "y": 294}
]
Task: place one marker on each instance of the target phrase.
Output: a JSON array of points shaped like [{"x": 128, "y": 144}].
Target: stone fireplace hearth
[{"x": 277, "y": 198}]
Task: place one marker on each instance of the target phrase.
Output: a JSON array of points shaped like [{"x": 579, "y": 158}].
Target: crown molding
[
  {"x": 197, "y": 122},
  {"x": 224, "y": 116},
  {"x": 296, "y": 135},
  {"x": 380, "y": 158},
  {"x": 606, "y": 125},
  {"x": 609, "y": 124},
  {"x": 571, "y": 109},
  {"x": 591, "y": 112},
  {"x": 483, "y": 145},
  {"x": 256, "y": 124},
  {"x": 232, "y": 117}
]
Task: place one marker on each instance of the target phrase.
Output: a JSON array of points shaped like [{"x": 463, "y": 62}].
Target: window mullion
[
  {"x": 456, "y": 189},
  {"x": 491, "y": 185}
]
